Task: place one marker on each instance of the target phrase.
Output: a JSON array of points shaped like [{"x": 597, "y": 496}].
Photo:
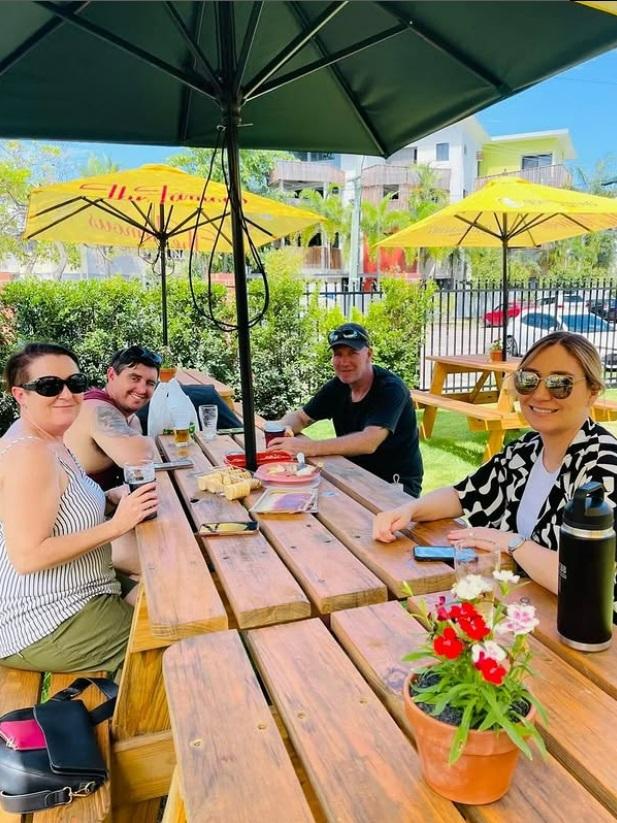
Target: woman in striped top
[{"x": 60, "y": 603}]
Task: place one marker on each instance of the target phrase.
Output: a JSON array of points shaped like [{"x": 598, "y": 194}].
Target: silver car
[{"x": 534, "y": 323}]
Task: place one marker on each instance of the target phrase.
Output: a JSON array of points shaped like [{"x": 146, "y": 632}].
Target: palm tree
[
  {"x": 427, "y": 197},
  {"x": 335, "y": 225}
]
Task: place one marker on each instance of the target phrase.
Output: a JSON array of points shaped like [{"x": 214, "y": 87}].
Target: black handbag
[{"x": 48, "y": 752}]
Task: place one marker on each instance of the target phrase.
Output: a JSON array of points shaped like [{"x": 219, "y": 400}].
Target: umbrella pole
[
  {"x": 163, "y": 253},
  {"x": 504, "y": 285},
  {"x": 242, "y": 310}
]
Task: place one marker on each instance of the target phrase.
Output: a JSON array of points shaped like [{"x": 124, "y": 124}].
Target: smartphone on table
[
  {"x": 443, "y": 553},
  {"x": 229, "y": 527}
]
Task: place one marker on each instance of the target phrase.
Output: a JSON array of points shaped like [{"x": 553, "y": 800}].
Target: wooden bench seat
[
  {"x": 19, "y": 689},
  {"x": 487, "y": 417}
]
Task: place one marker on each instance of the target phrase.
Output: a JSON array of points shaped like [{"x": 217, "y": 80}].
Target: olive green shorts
[{"x": 95, "y": 638}]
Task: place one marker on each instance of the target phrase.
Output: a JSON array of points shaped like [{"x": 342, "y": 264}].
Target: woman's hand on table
[
  {"x": 134, "y": 507},
  {"x": 386, "y": 523},
  {"x": 482, "y": 538}
]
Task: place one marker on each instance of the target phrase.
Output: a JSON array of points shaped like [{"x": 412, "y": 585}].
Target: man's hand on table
[{"x": 293, "y": 445}]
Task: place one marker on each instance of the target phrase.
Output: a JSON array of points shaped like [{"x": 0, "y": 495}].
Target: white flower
[
  {"x": 519, "y": 620},
  {"x": 472, "y": 586},
  {"x": 489, "y": 649},
  {"x": 506, "y": 576}
]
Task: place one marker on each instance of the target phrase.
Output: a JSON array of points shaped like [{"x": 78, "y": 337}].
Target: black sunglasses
[
  {"x": 340, "y": 335},
  {"x": 51, "y": 386},
  {"x": 139, "y": 354},
  {"x": 558, "y": 385}
]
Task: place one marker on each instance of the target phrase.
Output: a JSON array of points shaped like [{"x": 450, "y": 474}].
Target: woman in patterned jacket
[
  {"x": 60, "y": 604},
  {"x": 515, "y": 501}
]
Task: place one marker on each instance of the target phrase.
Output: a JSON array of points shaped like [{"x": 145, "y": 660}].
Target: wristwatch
[{"x": 514, "y": 544}]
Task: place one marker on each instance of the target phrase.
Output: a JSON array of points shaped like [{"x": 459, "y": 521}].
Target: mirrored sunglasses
[
  {"x": 340, "y": 335},
  {"x": 51, "y": 386},
  {"x": 558, "y": 385}
]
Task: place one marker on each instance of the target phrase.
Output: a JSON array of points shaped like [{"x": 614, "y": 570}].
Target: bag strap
[
  {"x": 37, "y": 801},
  {"x": 104, "y": 684}
]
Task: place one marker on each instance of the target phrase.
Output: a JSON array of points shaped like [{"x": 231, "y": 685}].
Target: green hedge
[{"x": 289, "y": 349}]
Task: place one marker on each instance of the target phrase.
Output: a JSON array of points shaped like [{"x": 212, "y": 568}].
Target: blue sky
[{"x": 582, "y": 99}]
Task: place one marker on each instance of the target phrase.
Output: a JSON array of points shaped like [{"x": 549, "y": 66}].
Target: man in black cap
[{"x": 371, "y": 410}]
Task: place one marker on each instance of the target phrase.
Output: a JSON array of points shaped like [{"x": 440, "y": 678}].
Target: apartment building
[{"x": 463, "y": 156}]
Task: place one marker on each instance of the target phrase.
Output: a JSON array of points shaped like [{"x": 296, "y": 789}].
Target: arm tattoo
[{"x": 112, "y": 422}]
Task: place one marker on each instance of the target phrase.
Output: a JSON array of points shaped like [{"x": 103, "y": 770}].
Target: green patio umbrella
[{"x": 364, "y": 77}]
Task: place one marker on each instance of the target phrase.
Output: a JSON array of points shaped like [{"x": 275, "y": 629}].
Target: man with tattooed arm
[{"x": 107, "y": 433}]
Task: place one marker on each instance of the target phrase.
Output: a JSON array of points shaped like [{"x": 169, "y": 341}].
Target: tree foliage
[{"x": 256, "y": 166}]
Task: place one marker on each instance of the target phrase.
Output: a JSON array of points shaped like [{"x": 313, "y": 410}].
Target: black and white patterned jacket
[{"x": 491, "y": 495}]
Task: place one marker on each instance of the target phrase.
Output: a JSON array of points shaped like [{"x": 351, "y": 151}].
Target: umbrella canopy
[
  {"x": 141, "y": 206},
  {"x": 509, "y": 212},
  {"x": 364, "y": 76},
  {"x": 301, "y": 74},
  {"x": 154, "y": 206}
]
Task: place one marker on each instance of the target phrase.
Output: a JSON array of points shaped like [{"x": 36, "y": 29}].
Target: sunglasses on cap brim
[
  {"x": 338, "y": 336},
  {"x": 559, "y": 386},
  {"x": 51, "y": 386},
  {"x": 139, "y": 354}
]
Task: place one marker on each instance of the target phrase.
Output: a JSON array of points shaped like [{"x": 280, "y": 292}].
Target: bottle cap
[{"x": 588, "y": 509}]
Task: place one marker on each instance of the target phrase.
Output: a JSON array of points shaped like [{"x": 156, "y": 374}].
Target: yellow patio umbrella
[
  {"x": 509, "y": 212},
  {"x": 155, "y": 206}
]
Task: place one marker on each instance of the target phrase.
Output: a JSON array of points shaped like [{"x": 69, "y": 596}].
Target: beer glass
[
  {"x": 139, "y": 474},
  {"x": 208, "y": 418}
]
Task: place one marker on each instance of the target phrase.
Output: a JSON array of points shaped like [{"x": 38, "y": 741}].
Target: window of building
[
  {"x": 392, "y": 190},
  {"x": 414, "y": 155},
  {"x": 535, "y": 161},
  {"x": 442, "y": 151}
]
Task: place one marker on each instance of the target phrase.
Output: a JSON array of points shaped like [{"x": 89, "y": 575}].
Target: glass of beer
[{"x": 139, "y": 474}]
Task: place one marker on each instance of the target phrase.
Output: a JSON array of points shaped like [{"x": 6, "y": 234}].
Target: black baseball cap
[{"x": 349, "y": 334}]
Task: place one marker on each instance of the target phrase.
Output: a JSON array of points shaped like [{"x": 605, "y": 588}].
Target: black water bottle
[{"x": 586, "y": 571}]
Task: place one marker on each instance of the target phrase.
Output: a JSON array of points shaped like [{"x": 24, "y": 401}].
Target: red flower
[
  {"x": 448, "y": 644},
  {"x": 442, "y": 612},
  {"x": 491, "y": 670},
  {"x": 472, "y": 622}
]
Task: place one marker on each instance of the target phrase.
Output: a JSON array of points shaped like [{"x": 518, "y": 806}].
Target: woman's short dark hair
[{"x": 16, "y": 369}]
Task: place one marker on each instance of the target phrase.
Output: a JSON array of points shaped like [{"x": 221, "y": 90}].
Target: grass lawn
[{"x": 452, "y": 452}]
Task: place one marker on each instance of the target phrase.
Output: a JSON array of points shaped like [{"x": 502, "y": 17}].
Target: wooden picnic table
[
  {"x": 497, "y": 419},
  {"x": 298, "y": 567},
  {"x": 328, "y": 739},
  {"x": 194, "y": 377}
]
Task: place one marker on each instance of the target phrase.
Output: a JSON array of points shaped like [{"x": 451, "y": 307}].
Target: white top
[{"x": 539, "y": 484}]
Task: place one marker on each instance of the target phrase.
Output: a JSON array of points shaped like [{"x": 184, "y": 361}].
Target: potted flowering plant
[
  {"x": 470, "y": 710},
  {"x": 495, "y": 350}
]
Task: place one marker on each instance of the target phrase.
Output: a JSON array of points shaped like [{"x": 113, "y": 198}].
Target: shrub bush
[{"x": 290, "y": 353}]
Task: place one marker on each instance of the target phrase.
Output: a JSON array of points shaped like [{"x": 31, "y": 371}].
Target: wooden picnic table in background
[
  {"x": 496, "y": 419},
  {"x": 194, "y": 377}
]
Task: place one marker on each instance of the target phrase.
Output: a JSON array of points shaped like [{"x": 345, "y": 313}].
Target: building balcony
[
  {"x": 289, "y": 173},
  {"x": 384, "y": 174},
  {"x": 557, "y": 176},
  {"x": 322, "y": 259}
]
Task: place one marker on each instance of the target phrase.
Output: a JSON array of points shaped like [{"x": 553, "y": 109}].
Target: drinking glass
[
  {"x": 208, "y": 418},
  {"x": 139, "y": 474},
  {"x": 273, "y": 429},
  {"x": 469, "y": 560}
]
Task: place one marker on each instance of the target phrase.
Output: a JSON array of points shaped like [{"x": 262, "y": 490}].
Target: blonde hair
[{"x": 580, "y": 348}]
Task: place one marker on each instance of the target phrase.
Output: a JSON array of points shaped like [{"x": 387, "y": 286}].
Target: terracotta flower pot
[
  {"x": 484, "y": 770},
  {"x": 167, "y": 373},
  {"x": 495, "y": 355}
]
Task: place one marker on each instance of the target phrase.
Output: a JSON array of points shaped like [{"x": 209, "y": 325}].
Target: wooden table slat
[
  {"x": 171, "y": 562},
  {"x": 376, "y": 638},
  {"x": 232, "y": 763},
  {"x": 359, "y": 762},
  {"x": 391, "y": 562},
  {"x": 259, "y": 587}
]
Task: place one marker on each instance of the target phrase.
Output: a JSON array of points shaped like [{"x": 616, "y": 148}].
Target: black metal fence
[{"x": 466, "y": 320}]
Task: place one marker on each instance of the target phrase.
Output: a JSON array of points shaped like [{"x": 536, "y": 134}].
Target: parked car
[
  {"x": 606, "y": 309},
  {"x": 532, "y": 324},
  {"x": 562, "y": 301},
  {"x": 494, "y": 317}
]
